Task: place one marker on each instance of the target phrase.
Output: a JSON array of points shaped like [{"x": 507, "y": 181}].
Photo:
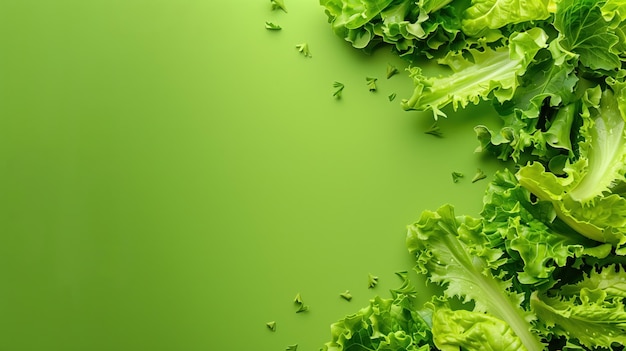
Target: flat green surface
[{"x": 172, "y": 174}]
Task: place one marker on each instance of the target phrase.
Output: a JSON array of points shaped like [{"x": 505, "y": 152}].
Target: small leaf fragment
[
  {"x": 372, "y": 281},
  {"x": 339, "y": 86},
  {"x": 301, "y": 306},
  {"x": 479, "y": 175},
  {"x": 456, "y": 176},
  {"x": 371, "y": 83},
  {"x": 272, "y": 26},
  {"x": 271, "y": 325},
  {"x": 298, "y": 299},
  {"x": 346, "y": 295},
  {"x": 304, "y": 49},
  {"x": 278, "y": 5},
  {"x": 434, "y": 130},
  {"x": 392, "y": 96},
  {"x": 391, "y": 70},
  {"x": 293, "y": 347}
]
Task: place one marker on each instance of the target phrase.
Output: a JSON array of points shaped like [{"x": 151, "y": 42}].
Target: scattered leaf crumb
[
  {"x": 301, "y": 306},
  {"x": 456, "y": 176},
  {"x": 271, "y": 325},
  {"x": 304, "y": 49},
  {"x": 391, "y": 70},
  {"x": 392, "y": 96},
  {"x": 293, "y": 347},
  {"x": 278, "y": 5},
  {"x": 339, "y": 86},
  {"x": 272, "y": 26},
  {"x": 346, "y": 295},
  {"x": 372, "y": 281},
  {"x": 434, "y": 130},
  {"x": 371, "y": 83},
  {"x": 479, "y": 175}
]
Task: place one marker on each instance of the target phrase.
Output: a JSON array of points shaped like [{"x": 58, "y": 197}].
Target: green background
[{"x": 172, "y": 174}]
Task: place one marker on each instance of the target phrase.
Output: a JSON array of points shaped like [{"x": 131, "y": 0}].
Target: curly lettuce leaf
[
  {"x": 494, "y": 14},
  {"x": 614, "y": 12},
  {"x": 584, "y": 32},
  {"x": 591, "y": 311},
  {"x": 488, "y": 72},
  {"x": 551, "y": 78},
  {"x": 608, "y": 281},
  {"x": 539, "y": 119},
  {"x": 429, "y": 6},
  {"x": 391, "y": 324},
  {"x": 528, "y": 230},
  {"x": 353, "y": 14},
  {"x": 453, "y": 252},
  {"x": 354, "y": 21},
  {"x": 602, "y": 221},
  {"x": 415, "y": 31},
  {"x": 583, "y": 199},
  {"x": 522, "y": 139},
  {"x": 456, "y": 330},
  {"x": 396, "y": 21},
  {"x": 444, "y": 32}
]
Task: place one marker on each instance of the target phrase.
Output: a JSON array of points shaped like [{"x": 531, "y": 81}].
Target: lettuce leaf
[
  {"x": 494, "y": 14},
  {"x": 353, "y": 14},
  {"x": 456, "y": 330},
  {"x": 391, "y": 324},
  {"x": 539, "y": 119},
  {"x": 591, "y": 311},
  {"x": 413, "y": 28},
  {"x": 536, "y": 243},
  {"x": 488, "y": 72},
  {"x": 453, "y": 252},
  {"x": 584, "y": 32}
]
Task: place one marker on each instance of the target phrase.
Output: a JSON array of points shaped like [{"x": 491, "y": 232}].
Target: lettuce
[{"x": 544, "y": 265}]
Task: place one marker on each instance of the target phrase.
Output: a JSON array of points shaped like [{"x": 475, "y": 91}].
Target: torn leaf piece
[
  {"x": 272, "y": 26},
  {"x": 302, "y": 308},
  {"x": 298, "y": 299},
  {"x": 371, "y": 83},
  {"x": 479, "y": 175},
  {"x": 391, "y": 70},
  {"x": 339, "y": 86},
  {"x": 434, "y": 130},
  {"x": 293, "y": 347},
  {"x": 372, "y": 281},
  {"x": 271, "y": 325},
  {"x": 346, "y": 295},
  {"x": 304, "y": 49},
  {"x": 392, "y": 96},
  {"x": 456, "y": 176},
  {"x": 278, "y": 5}
]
